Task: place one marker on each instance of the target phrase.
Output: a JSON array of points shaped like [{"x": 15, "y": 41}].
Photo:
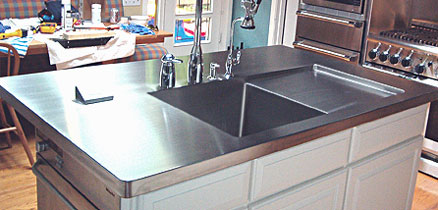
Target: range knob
[
  {"x": 421, "y": 67},
  {"x": 385, "y": 55},
  {"x": 374, "y": 52},
  {"x": 406, "y": 62},
  {"x": 396, "y": 57}
]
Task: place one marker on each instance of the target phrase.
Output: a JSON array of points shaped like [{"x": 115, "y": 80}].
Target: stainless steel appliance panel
[
  {"x": 425, "y": 10},
  {"x": 332, "y": 51},
  {"x": 417, "y": 57},
  {"x": 334, "y": 31},
  {"x": 355, "y": 6},
  {"x": 389, "y": 15}
]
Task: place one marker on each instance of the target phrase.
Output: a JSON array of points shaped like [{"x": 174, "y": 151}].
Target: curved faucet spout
[
  {"x": 195, "y": 64},
  {"x": 230, "y": 60}
]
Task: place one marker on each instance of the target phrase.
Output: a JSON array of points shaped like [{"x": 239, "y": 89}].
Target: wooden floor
[{"x": 18, "y": 189}]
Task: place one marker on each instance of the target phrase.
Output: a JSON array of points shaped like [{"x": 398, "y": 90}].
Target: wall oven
[
  {"x": 355, "y": 6},
  {"x": 402, "y": 39},
  {"x": 331, "y": 27}
]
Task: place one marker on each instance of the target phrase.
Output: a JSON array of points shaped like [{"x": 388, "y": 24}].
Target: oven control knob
[
  {"x": 374, "y": 52},
  {"x": 396, "y": 57},
  {"x": 420, "y": 68},
  {"x": 406, "y": 62},
  {"x": 385, "y": 55}
]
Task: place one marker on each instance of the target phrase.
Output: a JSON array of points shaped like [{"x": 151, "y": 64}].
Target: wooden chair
[{"x": 13, "y": 64}]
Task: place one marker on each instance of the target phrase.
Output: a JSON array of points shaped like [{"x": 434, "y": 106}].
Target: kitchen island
[{"x": 153, "y": 149}]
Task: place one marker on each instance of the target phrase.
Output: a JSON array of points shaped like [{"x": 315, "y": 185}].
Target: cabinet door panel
[
  {"x": 383, "y": 133},
  {"x": 322, "y": 194},
  {"x": 284, "y": 169},
  {"x": 386, "y": 181},
  {"x": 224, "y": 189}
]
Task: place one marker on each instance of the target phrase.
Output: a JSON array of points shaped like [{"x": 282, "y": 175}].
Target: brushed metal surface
[
  {"x": 425, "y": 10},
  {"x": 388, "y": 15},
  {"x": 235, "y": 107},
  {"x": 136, "y": 143},
  {"x": 331, "y": 90},
  {"x": 421, "y": 52},
  {"x": 336, "y": 5},
  {"x": 331, "y": 33},
  {"x": 336, "y": 52}
]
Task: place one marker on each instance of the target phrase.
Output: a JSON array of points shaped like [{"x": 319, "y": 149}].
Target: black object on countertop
[{"x": 82, "y": 42}]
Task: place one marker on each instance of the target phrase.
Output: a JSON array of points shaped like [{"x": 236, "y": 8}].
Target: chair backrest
[
  {"x": 20, "y": 9},
  {"x": 13, "y": 60}
]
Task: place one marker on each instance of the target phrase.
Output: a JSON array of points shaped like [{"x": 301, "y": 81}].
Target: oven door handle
[
  {"x": 43, "y": 179},
  {"x": 348, "y": 23},
  {"x": 300, "y": 45}
]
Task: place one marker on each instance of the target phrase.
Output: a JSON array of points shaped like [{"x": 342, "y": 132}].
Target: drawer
[
  {"x": 329, "y": 30},
  {"x": 324, "y": 193},
  {"x": 378, "y": 135},
  {"x": 87, "y": 181},
  {"x": 225, "y": 189},
  {"x": 54, "y": 192},
  {"x": 284, "y": 169}
]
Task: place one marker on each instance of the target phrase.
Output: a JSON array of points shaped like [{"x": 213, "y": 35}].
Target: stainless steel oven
[
  {"x": 402, "y": 39},
  {"x": 355, "y": 6},
  {"x": 331, "y": 27}
]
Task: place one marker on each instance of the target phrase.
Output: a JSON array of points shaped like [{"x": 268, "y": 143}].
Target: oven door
[
  {"x": 355, "y": 6},
  {"x": 333, "y": 36}
]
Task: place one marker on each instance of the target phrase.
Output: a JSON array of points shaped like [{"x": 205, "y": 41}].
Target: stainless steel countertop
[{"x": 139, "y": 143}]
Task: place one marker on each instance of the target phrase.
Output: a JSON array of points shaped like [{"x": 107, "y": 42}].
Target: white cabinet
[
  {"x": 380, "y": 134},
  {"x": 284, "y": 169},
  {"x": 325, "y": 193},
  {"x": 371, "y": 166},
  {"x": 225, "y": 189},
  {"x": 385, "y": 181}
]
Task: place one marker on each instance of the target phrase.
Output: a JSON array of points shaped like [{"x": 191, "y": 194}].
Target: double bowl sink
[{"x": 242, "y": 107}]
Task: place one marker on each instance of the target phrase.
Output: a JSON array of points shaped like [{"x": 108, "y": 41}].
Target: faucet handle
[
  {"x": 238, "y": 55},
  {"x": 170, "y": 58},
  {"x": 213, "y": 71}
]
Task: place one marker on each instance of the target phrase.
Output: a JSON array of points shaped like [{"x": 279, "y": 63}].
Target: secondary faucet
[
  {"x": 251, "y": 7},
  {"x": 195, "y": 64}
]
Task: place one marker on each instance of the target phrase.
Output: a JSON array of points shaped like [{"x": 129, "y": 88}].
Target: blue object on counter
[
  {"x": 137, "y": 29},
  {"x": 3, "y": 28}
]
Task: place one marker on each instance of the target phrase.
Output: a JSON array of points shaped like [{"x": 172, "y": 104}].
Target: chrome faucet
[
  {"x": 167, "y": 73},
  {"x": 251, "y": 7},
  {"x": 195, "y": 65}
]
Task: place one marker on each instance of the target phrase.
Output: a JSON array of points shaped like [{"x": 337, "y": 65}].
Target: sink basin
[
  {"x": 236, "y": 107},
  {"x": 324, "y": 88}
]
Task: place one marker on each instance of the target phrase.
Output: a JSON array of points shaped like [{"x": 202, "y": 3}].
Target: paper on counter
[{"x": 122, "y": 45}]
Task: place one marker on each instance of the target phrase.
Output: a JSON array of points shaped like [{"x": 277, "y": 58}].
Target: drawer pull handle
[
  {"x": 50, "y": 185},
  {"x": 348, "y": 23},
  {"x": 300, "y": 45}
]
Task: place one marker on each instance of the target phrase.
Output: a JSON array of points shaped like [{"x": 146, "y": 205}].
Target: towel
[{"x": 21, "y": 44}]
